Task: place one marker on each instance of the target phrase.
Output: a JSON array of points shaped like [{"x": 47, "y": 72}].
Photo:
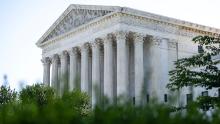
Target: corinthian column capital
[
  {"x": 73, "y": 51},
  {"x": 85, "y": 47},
  {"x": 110, "y": 37},
  {"x": 157, "y": 41},
  {"x": 121, "y": 35},
  {"x": 98, "y": 42},
  {"x": 46, "y": 60},
  {"x": 138, "y": 37},
  {"x": 63, "y": 55}
]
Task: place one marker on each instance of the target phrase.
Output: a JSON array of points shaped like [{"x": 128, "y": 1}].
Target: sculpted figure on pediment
[{"x": 74, "y": 19}]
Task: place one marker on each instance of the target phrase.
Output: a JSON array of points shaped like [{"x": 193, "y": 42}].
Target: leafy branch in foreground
[{"x": 199, "y": 70}]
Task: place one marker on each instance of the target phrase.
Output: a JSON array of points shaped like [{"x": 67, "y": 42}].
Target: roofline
[
  {"x": 129, "y": 11},
  {"x": 75, "y": 6},
  {"x": 170, "y": 19}
]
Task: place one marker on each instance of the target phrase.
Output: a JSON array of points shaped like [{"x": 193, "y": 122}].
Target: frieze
[{"x": 133, "y": 19}]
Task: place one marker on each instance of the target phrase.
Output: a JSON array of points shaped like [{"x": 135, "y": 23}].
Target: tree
[
  {"x": 200, "y": 70},
  {"x": 37, "y": 94}
]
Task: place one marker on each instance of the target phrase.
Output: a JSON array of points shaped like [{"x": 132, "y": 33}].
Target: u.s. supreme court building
[{"x": 113, "y": 51}]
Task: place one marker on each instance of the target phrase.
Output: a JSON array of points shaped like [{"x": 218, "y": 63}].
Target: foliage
[
  {"x": 37, "y": 94},
  {"x": 56, "y": 112},
  {"x": 200, "y": 70},
  {"x": 7, "y": 95},
  {"x": 39, "y": 104},
  {"x": 82, "y": 106},
  {"x": 148, "y": 114},
  {"x": 60, "y": 113},
  {"x": 74, "y": 107}
]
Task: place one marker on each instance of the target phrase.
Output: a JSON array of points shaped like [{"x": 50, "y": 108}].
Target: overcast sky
[{"x": 23, "y": 22}]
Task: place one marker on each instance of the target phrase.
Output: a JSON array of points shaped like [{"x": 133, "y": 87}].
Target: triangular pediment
[
  {"x": 74, "y": 16},
  {"x": 77, "y": 15}
]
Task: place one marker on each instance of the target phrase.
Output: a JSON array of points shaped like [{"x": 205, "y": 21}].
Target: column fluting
[
  {"x": 54, "y": 80},
  {"x": 46, "y": 74},
  {"x": 64, "y": 72},
  {"x": 85, "y": 68},
  {"x": 108, "y": 68},
  {"x": 122, "y": 66},
  {"x": 96, "y": 79},
  {"x": 139, "y": 68},
  {"x": 73, "y": 68}
]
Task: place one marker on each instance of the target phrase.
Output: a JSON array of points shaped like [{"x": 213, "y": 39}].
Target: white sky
[{"x": 23, "y": 22}]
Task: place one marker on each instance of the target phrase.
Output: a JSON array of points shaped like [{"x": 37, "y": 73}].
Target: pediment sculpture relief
[{"x": 74, "y": 19}]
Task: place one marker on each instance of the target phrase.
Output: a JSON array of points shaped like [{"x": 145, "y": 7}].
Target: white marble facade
[{"x": 116, "y": 51}]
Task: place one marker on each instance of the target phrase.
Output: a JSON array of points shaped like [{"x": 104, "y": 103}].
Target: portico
[{"x": 115, "y": 52}]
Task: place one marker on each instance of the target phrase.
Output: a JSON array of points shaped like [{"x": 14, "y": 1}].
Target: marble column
[
  {"x": 155, "y": 70},
  {"x": 73, "y": 69},
  {"x": 164, "y": 70},
  {"x": 64, "y": 72},
  {"x": 85, "y": 68},
  {"x": 108, "y": 68},
  {"x": 122, "y": 66},
  {"x": 46, "y": 73},
  {"x": 139, "y": 68},
  {"x": 78, "y": 75},
  {"x": 96, "y": 82},
  {"x": 55, "y": 62},
  {"x": 173, "y": 55}
]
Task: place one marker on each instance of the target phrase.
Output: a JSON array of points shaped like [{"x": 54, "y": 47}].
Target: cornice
[
  {"x": 188, "y": 26},
  {"x": 169, "y": 20},
  {"x": 181, "y": 25}
]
